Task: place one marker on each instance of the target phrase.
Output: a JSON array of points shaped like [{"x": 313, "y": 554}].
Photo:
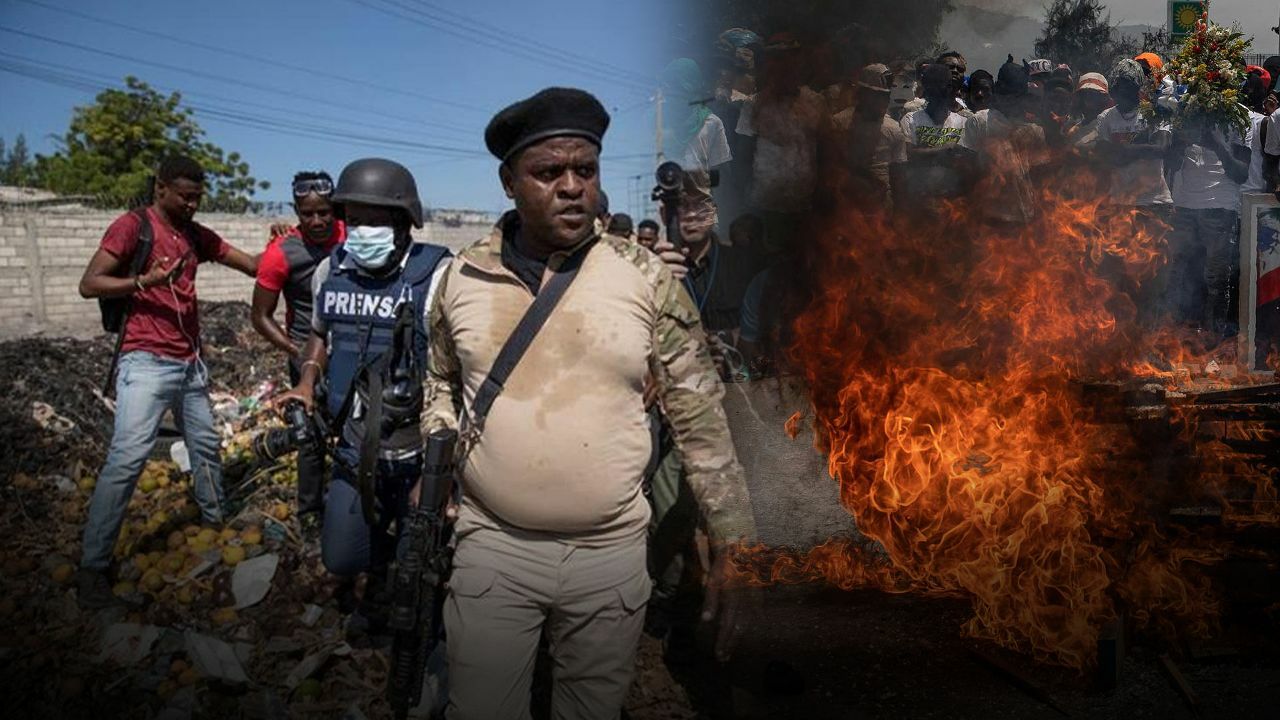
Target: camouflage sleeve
[
  {"x": 690, "y": 392},
  {"x": 442, "y": 387}
]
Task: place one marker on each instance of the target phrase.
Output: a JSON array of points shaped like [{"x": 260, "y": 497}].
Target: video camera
[
  {"x": 301, "y": 429},
  {"x": 669, "y": 191}
]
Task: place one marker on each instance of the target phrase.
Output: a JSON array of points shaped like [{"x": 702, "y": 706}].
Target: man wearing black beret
[{"x": 551, "y": 528}]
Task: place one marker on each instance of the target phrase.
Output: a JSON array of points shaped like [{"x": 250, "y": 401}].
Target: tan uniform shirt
[{"x": 565, "y": 445}]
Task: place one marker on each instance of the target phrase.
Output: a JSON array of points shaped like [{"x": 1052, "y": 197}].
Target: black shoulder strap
[
  {"x": 146, "y": 239},
  {"x": 141, "y": 254},
  {"x": 514, "y": 349}
]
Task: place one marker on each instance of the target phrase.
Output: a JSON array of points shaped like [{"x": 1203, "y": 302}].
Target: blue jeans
[
  {"x": 146, "y": 386},
  {"x": 348, "y": 544}
]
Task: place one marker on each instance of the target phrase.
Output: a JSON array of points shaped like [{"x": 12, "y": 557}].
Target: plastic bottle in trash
[{"x": 264, "y": 390}]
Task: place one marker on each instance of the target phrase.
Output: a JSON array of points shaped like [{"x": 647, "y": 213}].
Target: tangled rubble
[{"x": 239, "y": 623}]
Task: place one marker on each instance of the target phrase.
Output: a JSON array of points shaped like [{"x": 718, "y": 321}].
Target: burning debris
[{"x": 947, "y": 374}]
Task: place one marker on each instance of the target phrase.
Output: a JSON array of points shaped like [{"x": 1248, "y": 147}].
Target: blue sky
[{"x": 413, "y": 80}]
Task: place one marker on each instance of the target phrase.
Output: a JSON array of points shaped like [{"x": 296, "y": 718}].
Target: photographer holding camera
[{"x": 369, "y": 338}]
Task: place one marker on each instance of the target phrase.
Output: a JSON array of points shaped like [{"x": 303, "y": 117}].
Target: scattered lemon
[
  {"x": 63, "y": 573},
  {"x": 191, "y": 530},
  {"x": 280, "y": 511},
  {"x": 87, "y": 483},
  {"x": 160, "y": 517},
  {"x": 184, "y": 595},
  {"x": 163, "y": 480},
  {"x": 123, "y": 587},
  {"x": 146, "y": 484},
  {"x": 207, "y": 536},
  {"x": 232, "y": 555},
  {"x": 170, "y": 564},
  {"x": 152, "y": 580},
  {"x": 223, "y": 616},
  {"x": 176, "y": 540},
  {"x": 251, "y": 535}
]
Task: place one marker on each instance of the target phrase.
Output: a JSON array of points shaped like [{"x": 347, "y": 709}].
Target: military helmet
[{"x": 376, "y": 181}]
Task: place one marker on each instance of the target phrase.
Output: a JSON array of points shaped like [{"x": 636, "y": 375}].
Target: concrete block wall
[{"x": 43, "y": 253}]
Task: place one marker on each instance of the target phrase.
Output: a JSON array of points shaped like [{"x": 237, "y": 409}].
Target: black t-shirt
[
  {"x": 528, "y": 269},
  {"x": 718, "y": 283}
]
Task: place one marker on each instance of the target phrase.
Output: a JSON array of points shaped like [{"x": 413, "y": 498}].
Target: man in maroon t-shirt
[
  {"x": 286, "y": 267},
  {"x": 160, "y": 366}
]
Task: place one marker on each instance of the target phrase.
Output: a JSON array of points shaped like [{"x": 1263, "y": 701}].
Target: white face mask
[{"x": 370, "y": 245}]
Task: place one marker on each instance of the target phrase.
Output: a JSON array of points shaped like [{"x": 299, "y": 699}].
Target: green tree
[
  {"x": 1079, "y": 33},
  {"x": 114, "y": 145},
  {"x": 16, "y": 166}
]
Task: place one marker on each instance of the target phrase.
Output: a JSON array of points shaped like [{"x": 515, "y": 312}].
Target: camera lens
[
  {"x": 669, "y": 176},
  {"x": 273, "y": 444}
]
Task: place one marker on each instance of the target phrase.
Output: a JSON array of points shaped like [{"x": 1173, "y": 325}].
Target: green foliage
[
  {"x": 16, "y": 166},
  {"x": 113, "y": 146},
  {"x": 1079, "y": 33}
]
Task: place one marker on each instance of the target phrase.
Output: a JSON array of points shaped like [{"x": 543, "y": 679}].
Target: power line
[
  {"x": 533, "y": 45},
  {"x": 419, "y": 17},
  {"x": 293, "y": 126},
  {"x": 186, "y": 71},
  {"x": 328, "y": 76},
  {"x": 103, "y": 80},
  {"x": 292, "y": 129}
]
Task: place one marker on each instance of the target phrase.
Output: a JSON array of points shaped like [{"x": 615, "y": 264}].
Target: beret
[{"x": 553, "y": 112}]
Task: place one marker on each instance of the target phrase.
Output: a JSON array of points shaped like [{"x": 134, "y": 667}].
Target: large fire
[{"x": 945, "y": 365}]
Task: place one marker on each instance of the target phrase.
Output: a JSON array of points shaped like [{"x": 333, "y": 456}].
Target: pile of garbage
[{"x": 238, "y": 622}]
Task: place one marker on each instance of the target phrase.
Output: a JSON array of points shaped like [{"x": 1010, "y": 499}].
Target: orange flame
[{"x": 944, "y": 367}]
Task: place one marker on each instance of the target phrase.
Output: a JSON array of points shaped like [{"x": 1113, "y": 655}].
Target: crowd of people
[
  {"x": 581, "y": 355},
  {"x": 908, "y": 139}
]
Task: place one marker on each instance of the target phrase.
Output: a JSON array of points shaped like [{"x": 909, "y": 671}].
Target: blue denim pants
[
  {"x": 348, "y": 544},
  {"x": 146, "y": 386}
]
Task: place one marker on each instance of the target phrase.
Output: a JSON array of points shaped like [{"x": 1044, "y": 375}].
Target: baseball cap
[
  {"x": 1093, "y": 81},
  {"x": 876, "y": 76}
]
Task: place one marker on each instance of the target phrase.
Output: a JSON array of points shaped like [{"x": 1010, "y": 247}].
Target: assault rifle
[{"x": 417, "y": 591}]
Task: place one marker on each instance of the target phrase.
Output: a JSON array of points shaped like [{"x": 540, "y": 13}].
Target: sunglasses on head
[{"x": 319, "y": 186}]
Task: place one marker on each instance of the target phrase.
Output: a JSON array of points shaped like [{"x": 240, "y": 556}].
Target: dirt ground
[
  {"x": 820, "y": 653},
  {"x": 804, "y": 651}
]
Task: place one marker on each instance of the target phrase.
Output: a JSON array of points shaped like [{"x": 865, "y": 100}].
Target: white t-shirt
[
  {"x": 1201, "y": 183},
  {"x": 1143, "y": 177},
  {"x": 1255, "y": 183},
  {"x": 784, "y": 171},
  {"x": 708, "y": 149},
  {"x": 922, "y": 131},
  {"x": 1273, "y": 137}
]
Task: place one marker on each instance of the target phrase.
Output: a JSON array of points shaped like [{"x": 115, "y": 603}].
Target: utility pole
[{"x": 657, "y": 116}]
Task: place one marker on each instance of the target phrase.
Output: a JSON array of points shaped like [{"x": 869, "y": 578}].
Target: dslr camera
[{"x": 301, "y": 429}]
